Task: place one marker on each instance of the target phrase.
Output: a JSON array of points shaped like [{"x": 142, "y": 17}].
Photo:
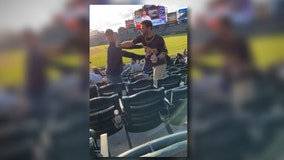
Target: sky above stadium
[
  {"x": 103, "y": 17},
  {"x": 34, "y": 14}
]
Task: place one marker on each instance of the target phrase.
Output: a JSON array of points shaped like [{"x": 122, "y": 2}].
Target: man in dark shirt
[
  {"x": 237, "y": 59},
  {"x": 114, "y": 58},
  {"x": 155, "y": 50}
]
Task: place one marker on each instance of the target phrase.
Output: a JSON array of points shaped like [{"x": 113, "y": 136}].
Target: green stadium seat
[
  {"x": 178, "y": 97},
  {"x": 139, "y": 85},
  {"x": 112, "y": 89},
  {"x": 144, "y": 111},
  {"x": 102, "y": 115},
  {"x": 169, "y": 82},
  {"x": 166, "y": 146}
]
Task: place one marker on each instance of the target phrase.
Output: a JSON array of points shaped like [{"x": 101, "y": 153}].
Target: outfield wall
[{"x": 161, "y": 30}]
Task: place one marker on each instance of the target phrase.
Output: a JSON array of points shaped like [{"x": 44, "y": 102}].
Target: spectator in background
[
  {"x": 179, "y": 59},
  {"x": 135, "y": 67},
  {"x": 95, "y": 76},
  {"x": 145, "y": 15}
]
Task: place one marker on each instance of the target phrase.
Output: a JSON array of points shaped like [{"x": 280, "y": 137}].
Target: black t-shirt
[{"x": 155, "y": 44}]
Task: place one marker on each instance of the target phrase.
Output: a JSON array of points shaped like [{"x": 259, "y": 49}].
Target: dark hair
[
  {"x": 109, "y": 32},
  {"x": 95, "y": 70},
  {"x": 147, "y": 23}
]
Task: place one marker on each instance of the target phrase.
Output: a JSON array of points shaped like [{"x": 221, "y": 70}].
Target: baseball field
[
  {"x": 267, "y": 50},
  {"x": 175, "y": 44}
]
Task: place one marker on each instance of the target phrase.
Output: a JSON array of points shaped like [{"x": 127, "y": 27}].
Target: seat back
[
  {"x": 111, "y": 89},
  {"x": 178, "y": 97},
  {"x": 102, "y": 114},
  {"x": 170, "y": 81},
  {"x": 137, "y": 86},
  {"x": 93, "y": 91},
  {"x": 142, "y": 110}
]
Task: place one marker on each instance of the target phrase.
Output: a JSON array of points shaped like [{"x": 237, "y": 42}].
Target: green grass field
[
  {"x": 267, "y": 50},
  {"x": 175, "y": 44}
]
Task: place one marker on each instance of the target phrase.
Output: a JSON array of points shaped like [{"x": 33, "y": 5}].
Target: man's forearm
[
  {"x": 132, "y": 55},
  {"x": 125, "y": 45}
]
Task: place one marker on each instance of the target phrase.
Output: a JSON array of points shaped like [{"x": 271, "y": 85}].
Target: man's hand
[
  {"x": 147, "y": 54},
  {"x": 154, "y": 58},
  {"x": 127, "y": 44}
]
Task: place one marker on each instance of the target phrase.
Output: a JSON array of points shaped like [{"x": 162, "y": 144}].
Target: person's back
[
  {"x": 135, "y": 67},
  {"x": 95, "y": 78}
]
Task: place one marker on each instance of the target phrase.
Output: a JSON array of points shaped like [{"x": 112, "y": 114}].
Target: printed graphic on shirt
[{"x": 150, "y": 50}]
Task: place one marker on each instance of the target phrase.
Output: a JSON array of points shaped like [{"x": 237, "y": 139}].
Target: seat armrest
[
  {"x": 164, "y": 114},
  {"x": 169, "y": 104},
  {"x": 92, "y": 133}
]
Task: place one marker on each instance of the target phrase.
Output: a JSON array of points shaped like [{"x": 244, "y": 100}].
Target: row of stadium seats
[
  {"x": 171, "y": 69},
  {"x": 168, "y": 82},
  {"x": 139, "y": 112}
]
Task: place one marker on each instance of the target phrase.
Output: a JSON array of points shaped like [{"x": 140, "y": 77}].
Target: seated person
[
  {"x": 135, "y": 67},
  {"x": 96, "y": 77},
  {"x": 179, "y": 59}
]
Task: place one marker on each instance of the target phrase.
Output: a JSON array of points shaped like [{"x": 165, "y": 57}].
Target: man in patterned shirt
[{"x": 155, "y": 49}]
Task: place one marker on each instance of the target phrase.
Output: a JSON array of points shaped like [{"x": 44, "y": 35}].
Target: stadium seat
[
  {"x": 93, "y": 91},
  {"x": 137, "y": 76},
  {"x": 172, "y": 69},
  {"x": 178, "y": 97},
  {"x": 112, "y": 89},
  {"x": 102, "y": 115},
  {"x": 144, "y": 111},
  {"x": 181, "y": 65},
  {"x": 167, "y": 146},
  {"x": 139, "y": 85},
  {"x": 169, "y": 82},
  {"x": 149, "y": 73},
  {"x": 183, "y": 72}
]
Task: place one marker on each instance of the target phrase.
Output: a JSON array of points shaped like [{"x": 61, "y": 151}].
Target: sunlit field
[
  {"x": 267, "y": 50},
  {"x": 175, "y": 44}
]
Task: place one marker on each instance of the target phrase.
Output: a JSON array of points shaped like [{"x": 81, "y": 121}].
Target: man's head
[
  {"x": 144, "y": 12},
  {"x": 146, "y": 27},
  {"x": 95, "y": 70},
  {"x": 110, "y": 35}
]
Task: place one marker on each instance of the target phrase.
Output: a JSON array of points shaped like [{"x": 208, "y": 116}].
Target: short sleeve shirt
[{"x": 155, "y": 43}]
